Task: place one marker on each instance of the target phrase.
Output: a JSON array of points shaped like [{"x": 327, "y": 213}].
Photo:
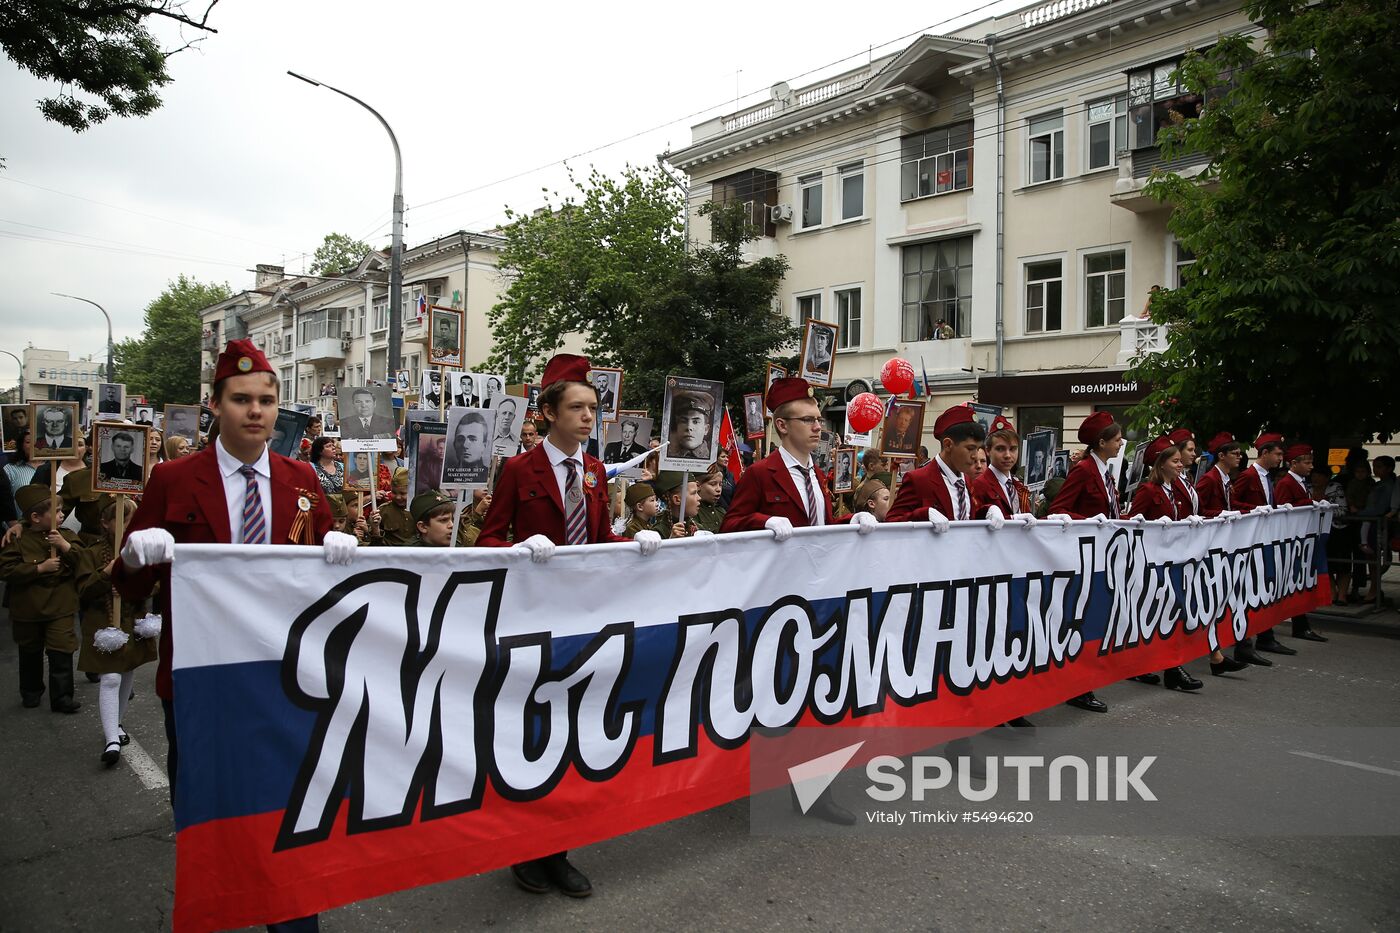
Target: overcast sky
[{"x": 244, "y": 164}]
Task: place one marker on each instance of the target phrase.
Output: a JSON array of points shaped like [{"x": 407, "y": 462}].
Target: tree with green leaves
[
  {"x": 337, "y": 254},
  {"x": 163, "y": 363},
  {"x": 102, "y": 49},
  {"x": 609, "y": 264},
  {"x": 1290, "y": 316}
]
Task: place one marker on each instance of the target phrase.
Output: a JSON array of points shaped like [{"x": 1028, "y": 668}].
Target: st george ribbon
[{"x": 425, "y": 714}]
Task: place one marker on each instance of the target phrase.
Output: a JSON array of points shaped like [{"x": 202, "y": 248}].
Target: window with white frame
[
  {"x": 1182, "y": 260},
  {"x": 811, "y": 200},
  {"x": 808, "y": 307},
  {"x": 286, "y": 379},
  {"x": 848, "y": 317},
  {"x": 1158, "y": 98},
  {"x": 937, "y": 289},
  {"x": 1105, "y": 288},
  {"x": 1107, "y": 130},
  {"x": 936, "y": 162},
  {"x": 852, "y": 190},
  {"x": 1047, "y": 147},
  {"x": 413, "y": 372},
  {"x": 1045, "y": 294},
  {"x": 381, "y": 315}
]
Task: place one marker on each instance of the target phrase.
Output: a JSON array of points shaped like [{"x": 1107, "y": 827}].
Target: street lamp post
[
  {"x": 21, "y": 372},
  {"x": 391, "y": 364},
  {"x": 111, "y": 368}
]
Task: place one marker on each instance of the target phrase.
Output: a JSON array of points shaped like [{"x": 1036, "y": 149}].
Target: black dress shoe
[
  {"x": 564, "y": 876},
  {"x": 65, "y": 705},
  {"x": 1089, "y": 702},
  {"x": 1227, "y": 666},
  {"x": 1309, "y": 635},
  {"x": 1152, "y": 679},
  {"x": 1020, "y": 722},
  {"x": 111, "y": 753},
  {"x": 1245, "y": 652},
  {"x": 531, "y": 876},
  {"x": 122, "y": 737},
  {"x": 1178, "y": 679},
  {"x": 1274, "y": 647},
  {"x": 30, "y": 700}
]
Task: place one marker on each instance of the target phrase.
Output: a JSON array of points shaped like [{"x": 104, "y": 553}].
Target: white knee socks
[{"x": 111, "y": 702}]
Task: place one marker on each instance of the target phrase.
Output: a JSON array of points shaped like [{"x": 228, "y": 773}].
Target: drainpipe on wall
[
  {"x": 466, "y": 242},
  {"x": 1001, "y": 202},
  {"x": 369, "y": 324}
]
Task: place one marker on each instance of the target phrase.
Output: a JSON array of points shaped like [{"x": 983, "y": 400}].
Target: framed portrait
[
  {"x": 843, "y": 461},
  {"x": 445, "y": 347},
  {"x": 818, "y": 351},
  {"x": 78, "y": 394},
  {"x": 182, "y": 421},
  {"x": 56, "y": 425},
  {"x": 111, "y": 401},
  {"x": 627, "y": 437},
  {"x": 488, "y": 387},
  {"x": 1135, "y": 468},
  {"x": 985, "y": 414},
  {"x": 429, "y": 391},
  {"x": 755, "y": 419},
  {"x": 1037, "y": 452},
  {"x": 330, "y": 425},
  {"x": 119, "y": 454},
  {"x": 424, "y": 443},
  {"x": 1203, "y": 466},
  {"x": 402, "y": 381},
  {"x": 1059, "y": 465},
  {"x": 288, "y": 431},
  {"x": 359, "y": 471},
  {"x": 206, "y": 419},
  {"x": 608, "y": 382},
  {"x": 690, "y": 413},
  {"x": 509, "y": 412},
  {"x": 461, "y": 390},
  {"x": 901, "y": 468},
  {"x": 367, "y": 418},
  {"x": 466, "y": 460},
  {"x": 14, "y": 421},
  {"x": 904, "y": 428},
  {"x": 772, "y": 374},
  {"x": 532, "y": 399},
  {"x": 144, "y": 414}
]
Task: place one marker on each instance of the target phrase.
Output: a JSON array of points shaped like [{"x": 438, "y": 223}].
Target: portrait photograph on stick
[
  {"x": 818, "y": 350},
  {"x": 144, "y": 414},
  {"x": 424, "y": 443},
  {"x": 367, "y": 418},
  {"x": 843, "y": 469},
  {"x": 461, "y": 391},
  {"x": 1136, "y": 468},
  {"x": 772, "y": 373},
  {"x": 56, "y": 424},
  {"x": 14, "y": 421},
  {"x": 445, "y": 348},
  {"x": 1059, "y": 467},
  {"x": 359, "y": 471},
  {"x": 429, "y": 392},
  {"x": 1037, "y": 450},
  {"x": 904, "y": 426},
  {"x": 608, "y": 382},
  {"x": 690, "y": 412},
  {"x": 182, "y": 421},
  {"x": 76, "y": 394},
  {"x": 984, "y": 414},
  {"x": 509, "y": 412},
  {"x": 489, "y": 386},
  {"x": 111, "y": 401},
  {"x": 120, "y": 456},
  {"x": 467, "y": 458},
  {"x": 755, "y": 420},
  {"x": 627, "y": 437},
  {"x": 288, "y": 431}
]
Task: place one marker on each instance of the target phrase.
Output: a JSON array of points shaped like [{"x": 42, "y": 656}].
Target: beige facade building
[
  {"x": 46, "y": 370},
  {"x": 974, "y": 202}
]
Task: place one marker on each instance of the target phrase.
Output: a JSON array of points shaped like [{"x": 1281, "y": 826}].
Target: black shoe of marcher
[
  {"x": 1018, "y": 728},
  {"x": 30, "y": 700},
  {"x": 64, "y": 705},
  {"x": 565, "y": 876},
  {"x": 1274, "y": 647},
  {"x": 1089, "y": 702},
  {"x": 1248, "y": 655},
  {"x": 1226, "y": 666},
  {"x": 1178, "y": 679},
  {"x": 1020, "y": 722},
  {"x": 1309, "y": 635},
  {"x": 111, "y": 753},
  {"x": 531, "y": 876},
  {"x": 122, "y": 737},
  {"x": 1152, "y": 679},
  {"x": 92, "y": 678}
]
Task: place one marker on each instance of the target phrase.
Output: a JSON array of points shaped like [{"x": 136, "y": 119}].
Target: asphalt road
[{"x": 84, "y": 848}]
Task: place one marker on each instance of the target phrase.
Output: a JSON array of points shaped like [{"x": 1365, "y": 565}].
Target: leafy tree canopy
[
  {"x": 163, "y": 363},
  {"x": 338, "y": 252}
]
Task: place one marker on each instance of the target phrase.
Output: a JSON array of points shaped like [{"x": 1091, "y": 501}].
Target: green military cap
[
  {"x": 30, "y": 497},
  {"x": 684, "y": 401},
  {"x": 338, "y": 509},
  {"x": 423, "y": 503},
  {"x": 667, "y": 480},
  {"x": 401, "y": 478},
  {"x": 638, "y": 493}
]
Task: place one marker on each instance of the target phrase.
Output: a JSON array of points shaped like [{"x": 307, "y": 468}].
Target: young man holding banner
[
  {"x": 1291, "y": 491},
  {"x": 1254, "y": 489},
  {"x": 940, "y": 491}
]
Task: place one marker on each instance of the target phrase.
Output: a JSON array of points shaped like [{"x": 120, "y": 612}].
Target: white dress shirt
[
  {"x": 795, "y": 468},
  {"x": 1112, "y": 494},
  {"x": 561, "y": 472},
  {"x": 1002, "y": 481},
  {"x": 950, "y": 479},
  {"x": 236, "y": 488},
  {"x": 1264, "y": 480},
  {"x": 1225, "y": 482}
]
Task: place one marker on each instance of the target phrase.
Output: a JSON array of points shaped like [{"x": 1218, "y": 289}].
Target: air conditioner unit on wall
[{"x": 780, "y": 213}]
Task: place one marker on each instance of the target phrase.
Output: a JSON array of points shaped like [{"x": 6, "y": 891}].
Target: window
[
  {"x": 808, "y": 307},
  {"x": 937, "y": 288},
  {"x": 1034, "y": 417},
  {"x": 757, "y": 190},
  {"x": 1108, "y": 130},
  {"x": 1045, "y": 291},
  {"x": 318, "y": 324},
  {"x": 413, "y": 373},
  {"x": 1183, "y": 259},
  {"x": 848, "y": 316},
  {"x": 286, "y": 379},
  {"x": 357, "y": 320},
  {"x": 852, "y": 191},
  {"x": 1105, "y": 292},
  {"x": 936, "y": 162},
  {"x": 381, "y": 315},
  {"x": 811, "y": 187},
  {"x": 1156, "y": 99},
  {"x": 1047, "y": 147}
]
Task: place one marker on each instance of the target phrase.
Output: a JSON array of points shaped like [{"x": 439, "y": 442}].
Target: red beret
[
  {"x": 240, "y": 358},
  {"x": 1158, "y": 447},
  {"x": 565, "y": 367},
  {"x": 1295, "y": 451},
  {"x": 787, "y": 390},
  {"x": 1267, "y": 438},
  {"x": 1002, "y": 423},
  {"x": 1220, "y": 440},
  {"x": 1093, "y": 426},
  {"x": 958, "y": 414},
  {"x": 1180, "y": 436}
]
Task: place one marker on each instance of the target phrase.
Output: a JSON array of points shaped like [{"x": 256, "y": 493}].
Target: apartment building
[
  {"x": 987, "y": 185},
  {"x": 333, "y": 331}
]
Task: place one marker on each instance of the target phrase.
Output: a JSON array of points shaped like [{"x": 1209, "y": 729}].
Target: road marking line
[
  {"x": 144, "y": 766},
  {"x": 1349, "y": 764}
]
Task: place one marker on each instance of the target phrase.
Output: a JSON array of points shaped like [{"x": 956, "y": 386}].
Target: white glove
[
  {"x": 1025, "y": 518},
  {"x": 338, "y": 547},
  {"x": 1229, "y": 515},
  {"x": 995, "y": 519},
  {"x": 1285, "y": 507},
  {"x": 1163, "y": 520},
  {"x": 146, "y": 547},
  {"x": 1195, "y": 521},
  {"x": 1061, "y": 519},
  {"x": 864, "y": 522},
  {"x": 1099, "y": 519},
  {"x": 539, "y": 547},
  {"x": 649, "y": 541},
  {"x": 939, "y": 521},
  {"x": 781, "y": 527},
  {"x": 702, "y": 533},
  {"x": 1139, "y": 518}
]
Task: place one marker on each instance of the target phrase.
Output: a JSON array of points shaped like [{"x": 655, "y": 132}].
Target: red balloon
[
  {"x": 897, "y": 376},
  {"x": 864, "y": 412}
]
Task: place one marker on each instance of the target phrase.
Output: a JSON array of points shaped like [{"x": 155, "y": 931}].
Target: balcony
[
  {"x": 1139, "y": 337},
  {"x": 323, "y": 350},
  {"x": 1134, "y": 168},
  {"x": 209, "y": 341},
  {"x": 206, "y": 374}
]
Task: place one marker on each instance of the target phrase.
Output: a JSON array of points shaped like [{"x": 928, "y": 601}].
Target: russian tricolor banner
[{"x": 420, "y": 715}]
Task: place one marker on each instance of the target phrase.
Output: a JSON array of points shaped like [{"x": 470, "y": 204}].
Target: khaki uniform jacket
[
  {"x": 396, "y": 526},
  {"x": 95, "y": 596},
  {"x": 34, "y": 596},
  {"x": 710, "y": 517}
]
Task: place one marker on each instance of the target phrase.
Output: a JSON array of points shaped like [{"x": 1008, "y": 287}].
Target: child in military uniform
[
  {"x": 472, "y": 518},
  {"x": 117, "y": 668},
  {"x": 670, "y": 523},
  {"x": 642, "y": 508},
  {"x": 432, "y": 518},
  {"x": 395, "y": 522},
  {"x": 43, "y": 595},
  {"x": 710, "y": 514}
]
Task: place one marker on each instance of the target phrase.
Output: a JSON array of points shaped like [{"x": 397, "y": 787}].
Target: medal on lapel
[
  {"x": 590, "y": 479},
  {"x": 301, "y": 531}
]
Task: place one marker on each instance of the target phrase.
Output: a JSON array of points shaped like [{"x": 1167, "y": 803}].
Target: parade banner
[{"x": 421, "y": 715}]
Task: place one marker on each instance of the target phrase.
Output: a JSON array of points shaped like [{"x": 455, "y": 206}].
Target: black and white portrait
[
  {"x": 843, "y": 469},
  {"x": 773, "y": 373},
  {"x": 754, "y": 420},
  {"x": 15, "y": 420},
  {"x": 608, "y": 382},
  {"x": 120, "y": 456},
  {"x": 467, "y": 459},
  {"x": 509, "y": 412},
  {"x": 55, "y": 427},
  {"x": 818, "y": 350},
  {"x": 1059, "y": 467},
  {"x": 402, "y": 381},
  {"x": 367, "y": 420},
  {"x": 182, "y": 421},
  {"x": 691, "y": 414},
  {"x": 429, "y": 392},
  {"x": 206, "y": 418},
  {"x": 445, "y": 347},
  {"x": 287, "y": 431},
  {"x": 1136, "y": 468},
  {"x": 1037, "y": 451},
  {"x": 532, "y": 397},
  {"x": 489, "y": 387},
  {"x": 626, "y": 438},
  {"x": 461, "y": 391},
  {"x": 111, "y": 400},
  {"x": 427, "y": 440},
  {"x": 985, "y": 414}
]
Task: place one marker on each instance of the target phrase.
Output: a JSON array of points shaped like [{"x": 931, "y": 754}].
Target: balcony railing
[{"x": 1139, "y": 337}]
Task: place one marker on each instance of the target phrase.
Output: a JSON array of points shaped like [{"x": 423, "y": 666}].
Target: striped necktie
[
  {"x": 1227, "y": 492},
  {"x": 1111, "y": 493},
  {"x": 811, "y": 496},
  {"x": 254, "y": 524},
  {"x": 1011, "y": 498},
  {"x": 576, "y": 512},
  {"x": 962, "y": 499}
]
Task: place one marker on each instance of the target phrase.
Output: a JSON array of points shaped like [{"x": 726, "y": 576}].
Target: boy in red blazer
[
  {"x": 1254, "y": 489},
  {"x": 235, "y": 491},
  {"x": 996, "y": 485},
  {"x": 1214, "y": 490},
  {"x": 1292, "y": 490},
  {"x": 939, "y": 491},
  {"x": 1185, "y": 442}
]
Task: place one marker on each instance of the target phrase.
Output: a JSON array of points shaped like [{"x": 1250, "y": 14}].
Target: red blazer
[
  {"x": 767, "y": 489},
  {"x": 924, "y": 489},
  {"x": 186, "y": 498},
  {"x": 1187, "y": 496},
  {"x": 1247, "y": 491},
  {"x": 1151, "y": 501},
  {"x": 1289, "y": 491},
  {"x": 988, "y": 491},
  {"x": 526, "y": 502},
  {"x": 1083, "y": 495},
  {"x": 1211, "y": 491}
]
